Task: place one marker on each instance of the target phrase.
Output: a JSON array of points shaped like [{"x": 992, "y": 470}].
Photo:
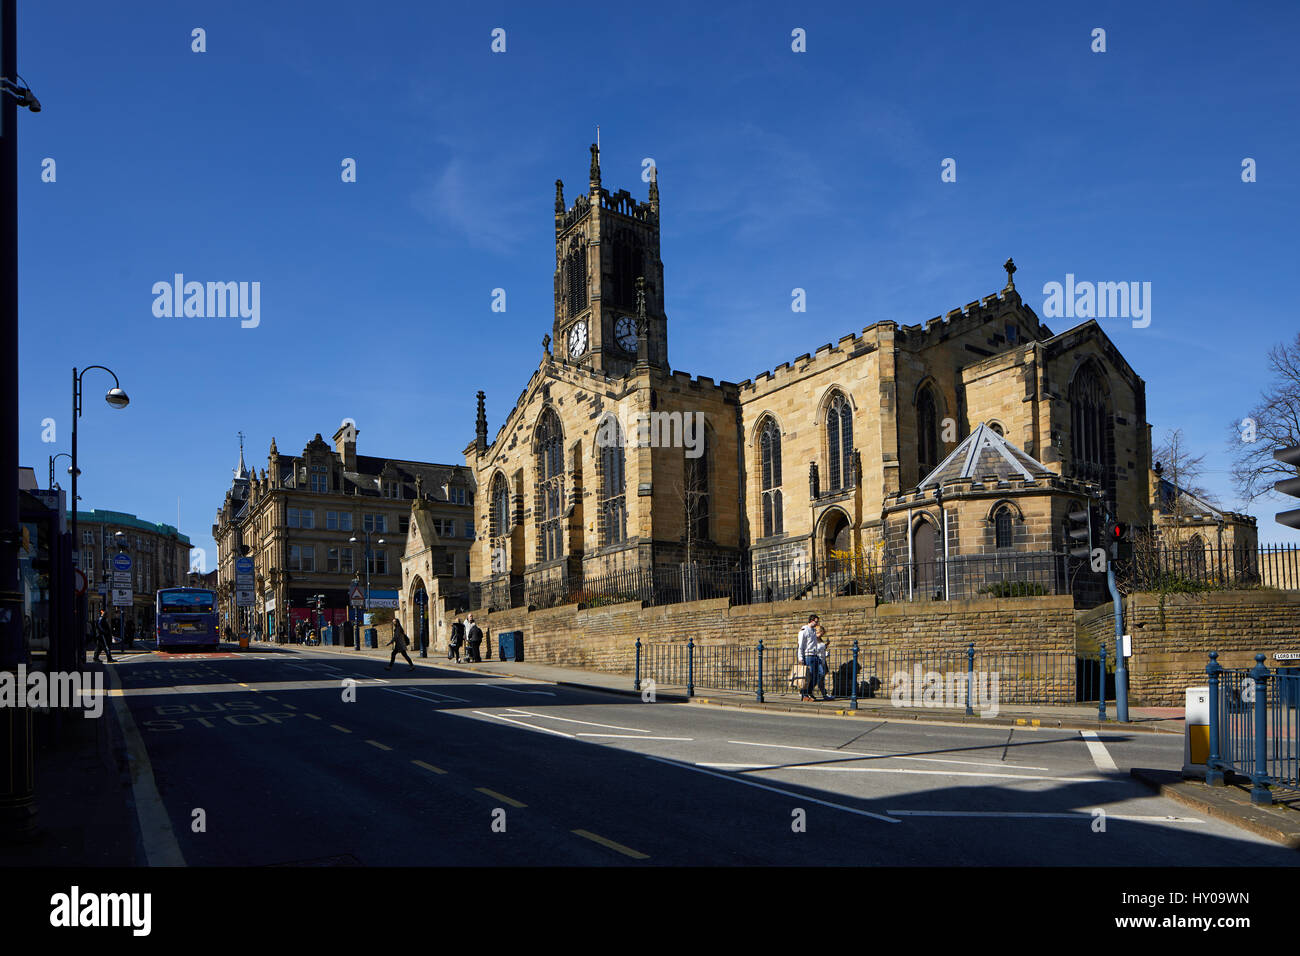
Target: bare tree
[
  {"x": 1273, "y": 423},
  {"x": 1176, "y": 464}
]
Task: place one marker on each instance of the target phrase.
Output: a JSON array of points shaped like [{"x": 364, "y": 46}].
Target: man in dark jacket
[
  {"x": 398, "y": 644},
  {"x": 474, "y": 638},
  {"x": 103, "y": 637}
]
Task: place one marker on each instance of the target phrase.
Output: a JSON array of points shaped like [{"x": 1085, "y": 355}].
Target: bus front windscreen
[{"x": 183, "y": 602}]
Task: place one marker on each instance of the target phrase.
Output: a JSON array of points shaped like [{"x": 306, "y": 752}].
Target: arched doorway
[
  {"x": 925, "y": 575},
  {"x": 836, "y": 543},
  {"x": 420, "y": 616}
]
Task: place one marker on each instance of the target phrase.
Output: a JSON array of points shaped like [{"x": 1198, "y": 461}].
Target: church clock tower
[{"x": 603, "y": 243}]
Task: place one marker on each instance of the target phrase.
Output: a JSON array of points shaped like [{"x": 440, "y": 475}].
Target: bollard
[
  {"x": 690, "y": 667},
  {"x": 854, "y": 703},
  {"x": 636, "y": 680},
  {"x": 970, "y": 677},
  {"x": 1101, "y": 694},
  {"x": 760, "y": 671},
  {"x": 1259, "y": 792},
  {"x": 1213, "y": 772}
]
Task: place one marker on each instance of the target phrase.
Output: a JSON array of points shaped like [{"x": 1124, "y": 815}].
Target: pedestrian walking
[
  {"x": 398, "y": 643},
  {"x": 823, "y": 667},
  {"x": 103, "y": 637},
  {"x": 474, "y": 638},
  {"x": 455, "y": 640},
  {"x": 806, "y": 653},
  {"x": 281, "y": 634}
]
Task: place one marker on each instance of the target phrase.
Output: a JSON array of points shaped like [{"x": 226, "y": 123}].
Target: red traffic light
[{"x": 1118, "y": 531}]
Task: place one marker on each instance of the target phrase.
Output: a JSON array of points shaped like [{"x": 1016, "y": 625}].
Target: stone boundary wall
[
  {"x": 604, "y": 638},
  {"x": 1170, "y": 651}
]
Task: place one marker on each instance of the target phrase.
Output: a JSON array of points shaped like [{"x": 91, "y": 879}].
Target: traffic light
[
  {"x": 1289, "y": 486},
  {"x": 1079, "y": 532}
]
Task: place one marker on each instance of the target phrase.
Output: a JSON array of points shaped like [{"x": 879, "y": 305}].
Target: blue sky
[{"x": 818, "y": 170}]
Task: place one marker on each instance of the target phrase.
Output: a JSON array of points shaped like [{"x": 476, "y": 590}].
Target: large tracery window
[
  {"x": 499, "y": 516},
  {"x": 613, "y": 499},
  {"x": 839, "y": 442},
  {"x": 769, "y": 451},
  {"x": 549, "y": 448},
  {"x": 927, "y": 433},
  {"x": 575, "y": 276},
  {"x": 1090, "y": 449}
]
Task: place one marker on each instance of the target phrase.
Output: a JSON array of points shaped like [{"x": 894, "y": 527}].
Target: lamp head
[{"x": 117, "y": 398}]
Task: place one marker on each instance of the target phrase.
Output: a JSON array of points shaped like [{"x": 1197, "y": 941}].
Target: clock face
[
  {"x": 577, "y": 339},
  {"x": 625, "y": 333}
]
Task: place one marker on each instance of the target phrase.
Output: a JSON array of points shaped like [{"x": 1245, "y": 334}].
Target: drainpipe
[{"x": 909, "y": 554}]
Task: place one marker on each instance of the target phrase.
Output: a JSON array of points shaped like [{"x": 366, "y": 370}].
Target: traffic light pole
[{"x": 1121, "y": 669}]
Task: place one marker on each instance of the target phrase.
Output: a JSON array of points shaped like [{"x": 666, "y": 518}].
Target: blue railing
[
  {"x": 1254, "y": 726},
  {"x": 935, "y": 678}
]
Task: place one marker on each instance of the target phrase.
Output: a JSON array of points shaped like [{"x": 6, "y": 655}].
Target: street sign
[
  {"x": 121, "y": 562},
  {"x": 79, "y": 577},
  {"x": 243, "y": 565},
  {"x": 244, "y": 597},
  {"x": 122, "y": 579},
  {"x": 1287, "y": 656},
  {"x": 102, "y": 587},
  {"x": 122, "y": 597}
]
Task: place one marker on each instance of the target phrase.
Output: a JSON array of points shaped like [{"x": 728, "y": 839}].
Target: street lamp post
[
  {"x": 353, "y": 540},
  {"x": 117, "y": 399},
  {"x": 53, "y": 459}
]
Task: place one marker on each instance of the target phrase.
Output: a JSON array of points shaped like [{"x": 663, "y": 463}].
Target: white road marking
[
  {"x": 1021, "y": 814},
  {"x": 905, "y": 770},
  {"x": 156, "y": 834},
  {"x": 802, "y": 797},
  {"x": 1100, "y": 756},
  {"x": 428, "y": 696},
  {"x": 634, "y": 737},
  {"x": 514, "y": 690},
  {"x": 854, "y": 753},
  {"x": 570, "y": 720},
  {"x": 520, "y": 723}
]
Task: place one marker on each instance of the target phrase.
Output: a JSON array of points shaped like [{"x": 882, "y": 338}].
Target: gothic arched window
[
  {"x": 1089, "y": 444},
  {"x": 697, "y": 493},
  {"x": 549, "y": 450},
  {"x": 769, "y": 453},
  {"x": 839, "y": 442},
  {"x": 613, "y": 484},
  {"x": 499, "y": 515},
  {"x": 1002, "y": 528},
  {"x": 927, "y": 433},
  {"x": 628, "y": 265}
]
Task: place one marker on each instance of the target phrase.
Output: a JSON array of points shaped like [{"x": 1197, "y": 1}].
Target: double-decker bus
[{"x": 187, "y": 617}]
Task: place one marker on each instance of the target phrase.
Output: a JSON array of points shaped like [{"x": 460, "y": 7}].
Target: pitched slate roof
[{"x": 984, "y": 453}]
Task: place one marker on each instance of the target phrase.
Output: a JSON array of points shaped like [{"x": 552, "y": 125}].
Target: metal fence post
[
  {"x": 854, "y": 702},
  {"x": 1101, "y": 694},
  {"x": 636, "y": 682},
  {"x": 1259, "y": 792},
  {"x": 760, "y": 670},
  {"x": 690, "y": 667},
  {"x": 970, "y": 677},
  {"x": 1213, "y": 773}
]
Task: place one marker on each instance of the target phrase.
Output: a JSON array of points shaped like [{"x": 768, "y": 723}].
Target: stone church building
[{"x": 969, "y": 434}]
